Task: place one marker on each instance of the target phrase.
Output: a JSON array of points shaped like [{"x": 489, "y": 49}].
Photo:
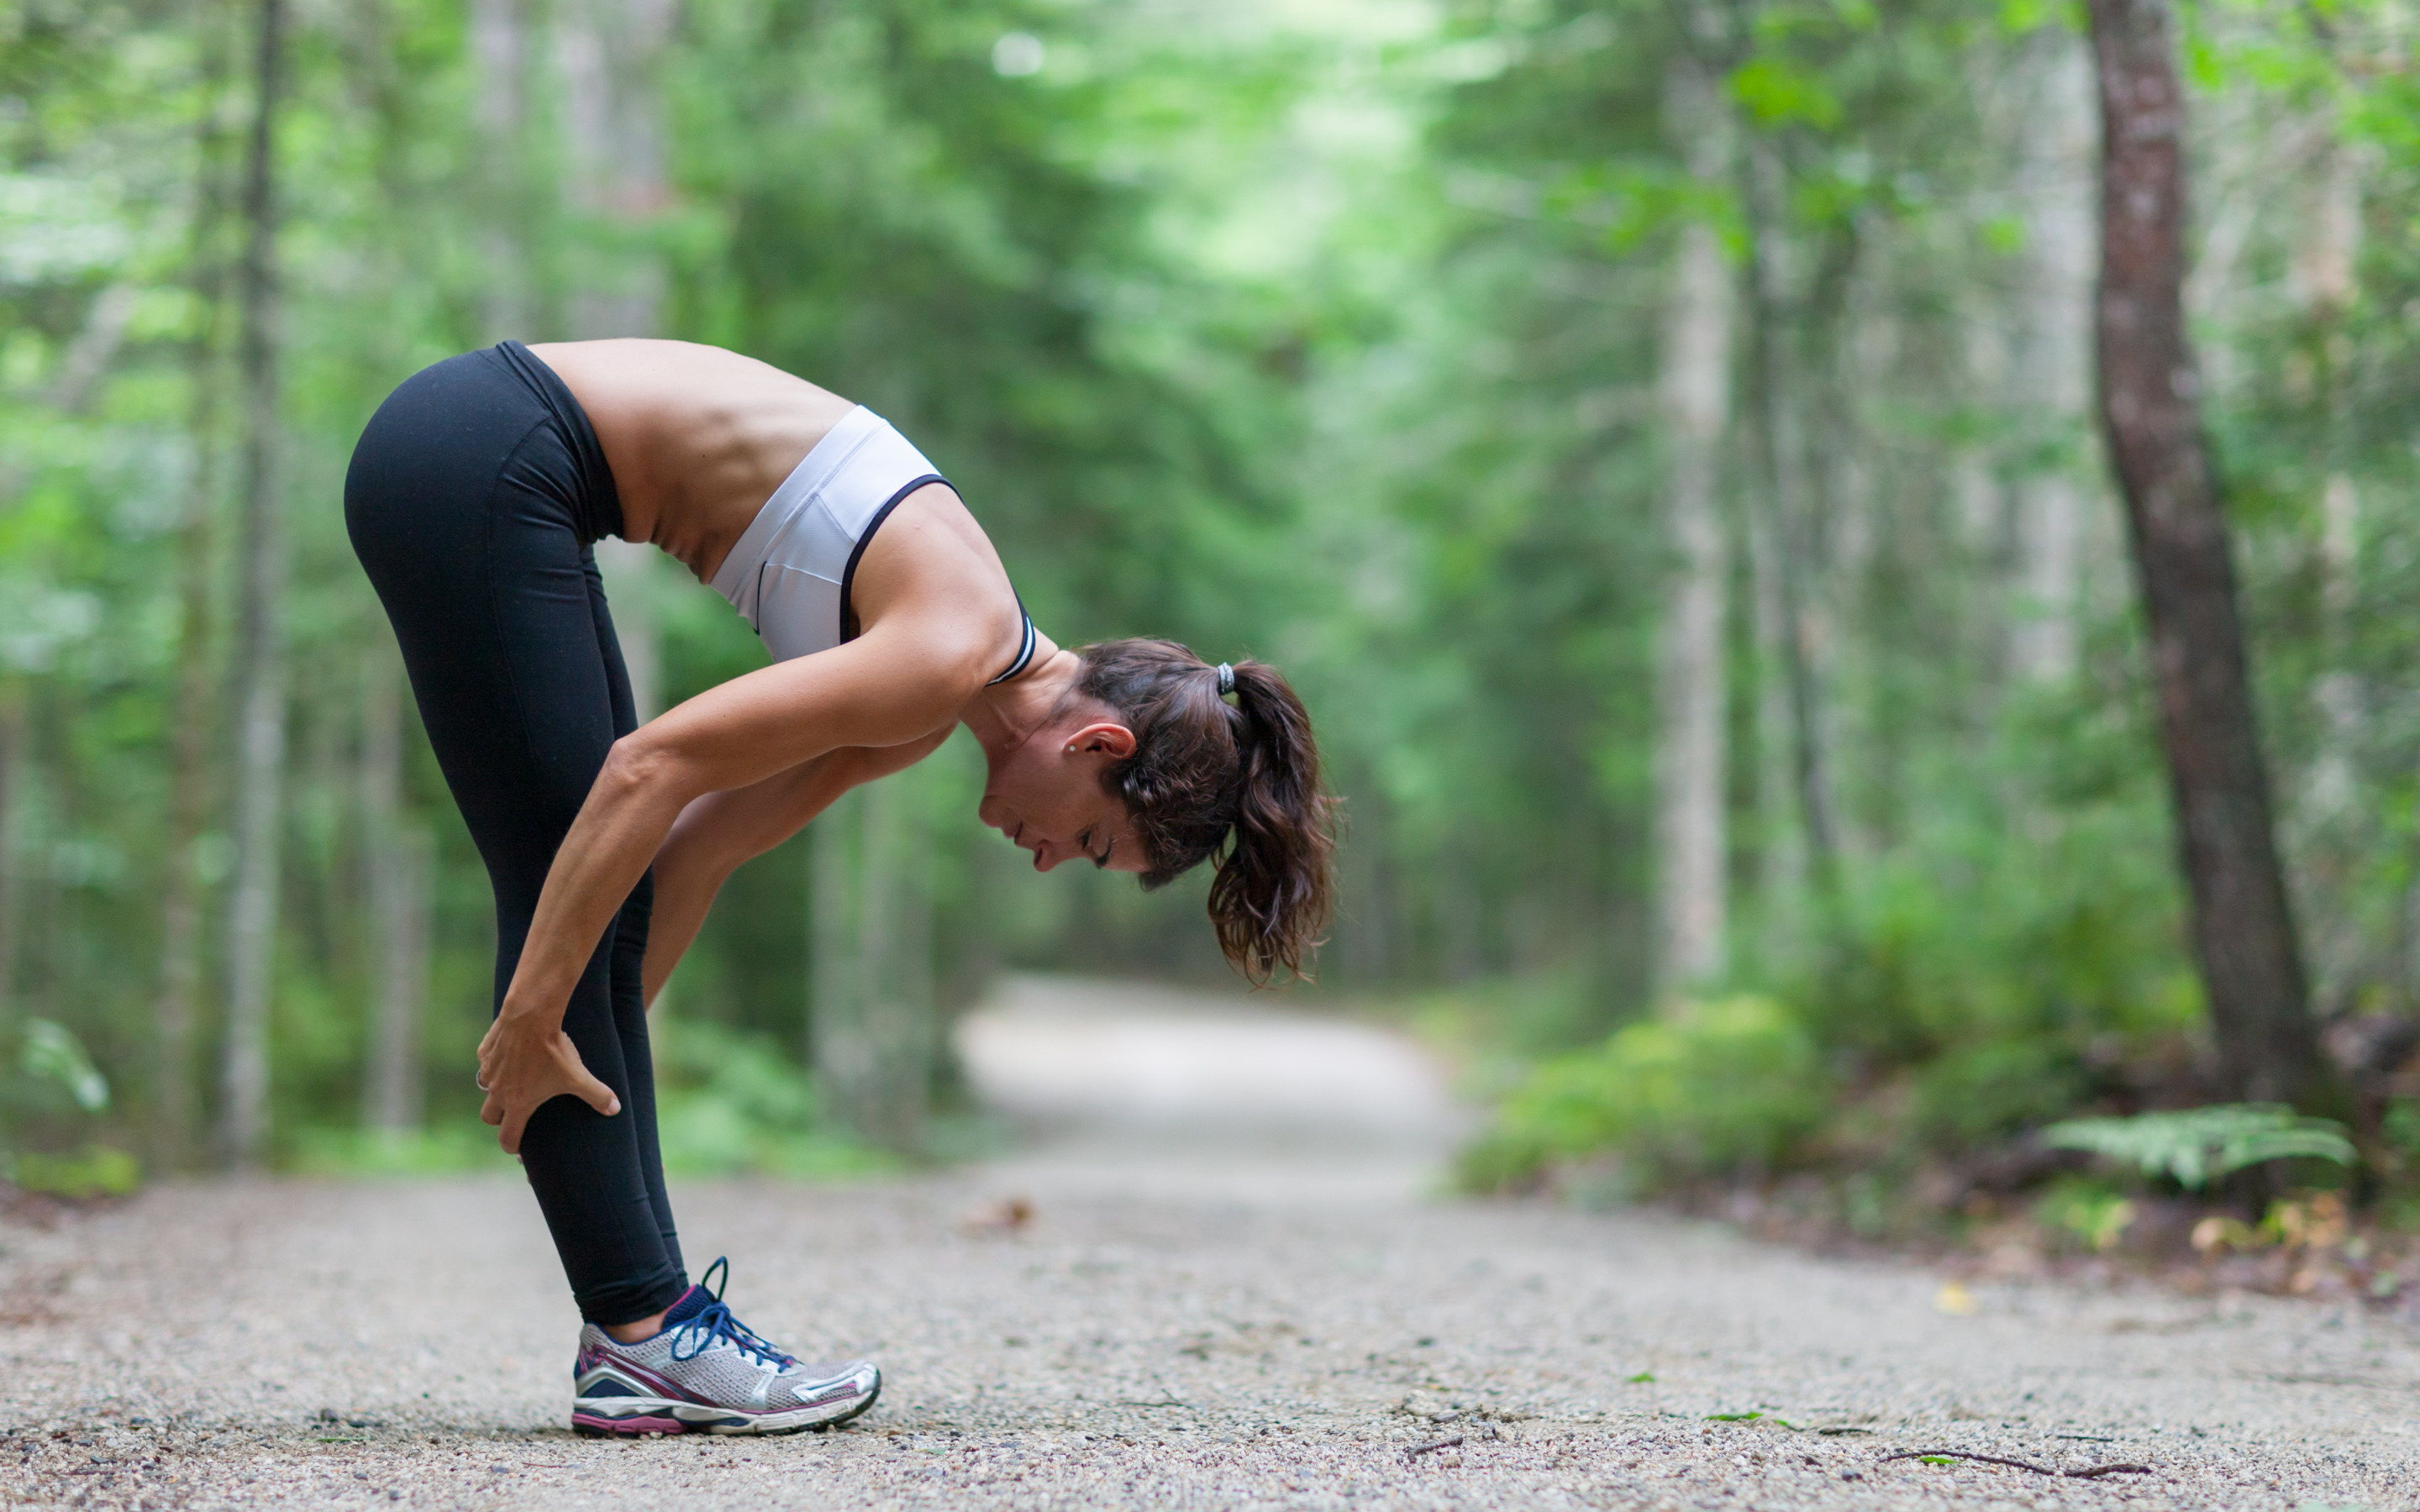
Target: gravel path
[{"x": 1264, "y": 1319}]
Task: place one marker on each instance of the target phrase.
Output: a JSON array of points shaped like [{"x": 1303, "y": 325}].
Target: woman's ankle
[{"x": 633, "y": 1332}]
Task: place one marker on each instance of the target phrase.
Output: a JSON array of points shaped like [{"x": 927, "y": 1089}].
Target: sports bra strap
[{"x": 1024, "y": 650}]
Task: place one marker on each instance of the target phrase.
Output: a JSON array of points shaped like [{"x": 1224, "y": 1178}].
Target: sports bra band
[
  {"x": 790, "y": 572},
  {"x": 1024, "y": 650}
]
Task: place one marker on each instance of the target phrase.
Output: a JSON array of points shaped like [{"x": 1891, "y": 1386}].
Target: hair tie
[{"x": 1225, "y": 679}]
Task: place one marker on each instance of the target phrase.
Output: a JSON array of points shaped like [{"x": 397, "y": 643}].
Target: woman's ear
[{"x": 1105, "y": 737}]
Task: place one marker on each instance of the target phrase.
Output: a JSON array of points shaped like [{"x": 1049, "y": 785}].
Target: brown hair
[{"x": 1236, "y": 784}]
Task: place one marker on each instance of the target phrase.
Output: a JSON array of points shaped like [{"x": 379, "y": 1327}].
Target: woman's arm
[
  {"x": 904, "y": 681},
  {"x": 716, "y": 833}
]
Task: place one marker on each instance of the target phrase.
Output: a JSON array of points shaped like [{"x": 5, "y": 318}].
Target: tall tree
[
  {"x": 194, "y": 725},
  {"x": 2052, "y": 363},
  {"x": 2244, "y": 934},
  {"x": 1695, "y": 355},
  {"x": 260, "y": 650},
  {"x": 12, "y": 763},
  {"x": 498, "y": 35},
  {"x": 1785, "y": 522},
  {"x": 397, "y": 864},
  {"x": 610, "y": 55}
]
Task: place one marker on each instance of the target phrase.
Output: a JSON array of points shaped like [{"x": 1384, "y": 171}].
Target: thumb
[{"x": 585, "y": 1086}]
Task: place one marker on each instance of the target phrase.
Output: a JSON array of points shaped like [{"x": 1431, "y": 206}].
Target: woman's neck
[{"x": 1005, "y": 716}]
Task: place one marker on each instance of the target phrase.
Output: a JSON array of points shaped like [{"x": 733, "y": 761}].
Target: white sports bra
[{"x": 789, "y": 573}]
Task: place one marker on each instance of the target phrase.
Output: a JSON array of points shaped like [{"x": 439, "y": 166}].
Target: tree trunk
[
  {"x": 499, "y": 51},
  {"x": 396, "y": 875},
  {"x": 2052, "y": 361},
  {"x": 12, "y": 761},
  {"x": 608, "y": 53},
  {"x": 95, "y": 346},
  {"x": 2332, "y": 822},
  {"x": 1786, "y": 527},
  {"x": 193, "y": 744},
  {"x": 2243, "y": 926},
  {"x": 260, "y": 660},
  {"x": 871, "y": 1025},
  {"x": 1691, "y": 847}
]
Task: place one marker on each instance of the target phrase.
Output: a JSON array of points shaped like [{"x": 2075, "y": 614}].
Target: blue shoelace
[{"x": 713, "y": 1324}]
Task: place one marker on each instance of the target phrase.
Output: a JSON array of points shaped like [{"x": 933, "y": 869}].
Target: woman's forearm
[
  {"x": 630, "y": 810},
  {"x": 683, "y": 895}
]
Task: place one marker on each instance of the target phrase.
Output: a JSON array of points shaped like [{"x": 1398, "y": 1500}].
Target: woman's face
[{"x": 1046, "y": 795}]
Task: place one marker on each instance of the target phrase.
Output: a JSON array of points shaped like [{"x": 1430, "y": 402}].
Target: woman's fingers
[
  {"x": 515, "y": 1122},
  {"x": 523, "y": 1078}
]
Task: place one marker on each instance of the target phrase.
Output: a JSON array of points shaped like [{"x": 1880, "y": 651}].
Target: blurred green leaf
[
  {"x": 49, "y": 1052},
  {"x": 2196, "y": 1147}
]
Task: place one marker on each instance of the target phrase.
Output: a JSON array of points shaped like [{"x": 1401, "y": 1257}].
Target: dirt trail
[{"x": 1206, "y": 1310}]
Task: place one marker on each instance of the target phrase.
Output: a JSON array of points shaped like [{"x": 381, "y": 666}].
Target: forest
[{"x": 1668, "y": 445}]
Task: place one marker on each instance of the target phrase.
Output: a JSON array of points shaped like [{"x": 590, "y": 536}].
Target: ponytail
[{"x": 1237, "y": 785}]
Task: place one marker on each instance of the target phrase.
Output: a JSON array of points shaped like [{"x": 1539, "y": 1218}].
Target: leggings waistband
[{"x": 598, "y": 502}]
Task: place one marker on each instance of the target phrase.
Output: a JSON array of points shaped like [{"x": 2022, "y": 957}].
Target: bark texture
[
  {"x": 1691, "y": 844},
  {"x": 2243, "y": 926},
  {"x": 260, "y": 652}
]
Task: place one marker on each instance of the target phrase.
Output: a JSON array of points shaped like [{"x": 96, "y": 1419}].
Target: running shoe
[{"x": 705, "y": 1373}]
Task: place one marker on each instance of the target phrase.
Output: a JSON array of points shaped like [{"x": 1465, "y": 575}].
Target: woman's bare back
[{"x": 698, "y": 437}]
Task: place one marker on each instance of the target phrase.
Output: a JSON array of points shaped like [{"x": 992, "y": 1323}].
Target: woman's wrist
[{"x": 523, "y": 1016}]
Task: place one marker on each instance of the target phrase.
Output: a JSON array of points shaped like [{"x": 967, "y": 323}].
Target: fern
[
  {"x": 2199, "y": 1145},
  {"x": 52, "y": 1054}
]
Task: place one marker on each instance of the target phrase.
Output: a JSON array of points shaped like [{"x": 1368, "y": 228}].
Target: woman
[{"x": 472, "y": 500}]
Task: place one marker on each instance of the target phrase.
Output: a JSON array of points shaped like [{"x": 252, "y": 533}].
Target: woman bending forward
[{"x": 473, "y": 502}]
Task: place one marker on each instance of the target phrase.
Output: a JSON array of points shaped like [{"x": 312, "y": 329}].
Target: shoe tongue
[{"x": 692, "y": 1302}]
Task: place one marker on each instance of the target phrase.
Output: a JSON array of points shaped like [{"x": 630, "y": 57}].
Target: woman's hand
[{"x": 523, "y": 1067}]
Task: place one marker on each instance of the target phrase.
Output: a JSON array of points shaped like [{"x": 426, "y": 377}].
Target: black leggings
[{"x": 471, "y": 501}]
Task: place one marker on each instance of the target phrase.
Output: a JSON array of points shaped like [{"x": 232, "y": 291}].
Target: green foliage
[
  {"x": 55, "y": 1089},
  {"x": 1704, "y": 1089},
  {"x": 2085, "y": 1213},
  {"x": 455, "y": 1146},
  {"x": 49, "y": 1053},
  {"x": 2196, "y": 1147},
  {"x": 1334, "y": 336},
  {"x": 95, "y": 1171},
  {"x": 727, "y": 1103}
]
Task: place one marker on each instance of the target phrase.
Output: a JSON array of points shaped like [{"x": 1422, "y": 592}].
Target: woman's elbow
[{"x": 641, "y": 769}]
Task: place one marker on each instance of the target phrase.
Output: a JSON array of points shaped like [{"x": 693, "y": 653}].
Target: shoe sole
[{"x": 662, "y": 1416}]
